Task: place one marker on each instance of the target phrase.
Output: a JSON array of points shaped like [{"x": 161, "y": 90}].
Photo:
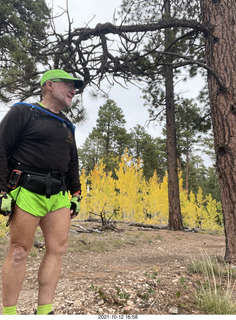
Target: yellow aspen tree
[
  {"x": 121, "y": 186},
  {"x": 110, "y": 197},
  {"x": 102, "y": 197},
  {"x": 212, "y": 216},
  {"x": 85, "y": 196},
  {"x": 164, "y": 204},
  {"x": 201, "y": 213},
  {"x": 158, "y": 206},
  {"x": 143, "y": 191},
  {"x": 130, "y": 184},
  {"x": 153, "y": 200},
  {"x": 200, "y": 208},
  {"x": 96, "y": 178},
  {"x": 184, "y": 203},
  {"x": 189, "y": 210}
]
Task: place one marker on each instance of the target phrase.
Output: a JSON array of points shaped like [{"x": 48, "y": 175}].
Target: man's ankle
[
  {"x": 44, "y": 309},
  {"x": 9, "y": 310}
]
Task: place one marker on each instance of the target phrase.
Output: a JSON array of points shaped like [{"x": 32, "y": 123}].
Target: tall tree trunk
[
  {"x": 175, "y": 217},
  {"x": 187, "y": 166},
  {"x": 220, "y": 17}
]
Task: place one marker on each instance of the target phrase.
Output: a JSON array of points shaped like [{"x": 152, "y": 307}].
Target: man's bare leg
[
  {"x": 55, "y": 226},
  {"x": 22, "y": 231}
]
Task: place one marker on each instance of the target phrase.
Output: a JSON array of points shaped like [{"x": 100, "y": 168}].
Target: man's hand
[
  {"x": 75, "y": 206},
  {"x": 5, "y": 204}
]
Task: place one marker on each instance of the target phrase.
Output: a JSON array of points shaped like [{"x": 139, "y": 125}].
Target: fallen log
[
  {"x": 84, "y": 230},
  {"x": 147, "y": 226}
]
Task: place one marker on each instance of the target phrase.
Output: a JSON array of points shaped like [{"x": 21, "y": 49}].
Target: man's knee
[
  {"x": 62, "y": 248},
  {"x": 19, "y": 254},
  {"x": 58, "y": 249}
]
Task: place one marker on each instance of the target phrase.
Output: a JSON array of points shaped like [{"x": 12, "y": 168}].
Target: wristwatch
[{"x": 3, "y": 194}]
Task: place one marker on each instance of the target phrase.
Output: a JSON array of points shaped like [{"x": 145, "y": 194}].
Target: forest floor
[{"x": 127, "y": 271}]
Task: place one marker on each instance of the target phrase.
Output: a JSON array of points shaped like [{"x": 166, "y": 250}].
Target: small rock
[
  {"x": 77, "y": 303},
  {"x": 100, "y": 302},
  {"x": 173, "y": 310},
  {"x": 130, "y": 303}
]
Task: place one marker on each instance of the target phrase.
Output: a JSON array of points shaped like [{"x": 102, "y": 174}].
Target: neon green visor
[{"x": 60, "y": 75}]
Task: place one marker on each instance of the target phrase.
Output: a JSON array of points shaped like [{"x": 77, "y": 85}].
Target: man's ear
[{"x": 49, "y": 85}]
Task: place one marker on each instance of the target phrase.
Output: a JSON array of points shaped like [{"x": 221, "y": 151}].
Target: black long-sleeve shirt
[{"x": 37, "y": 140}]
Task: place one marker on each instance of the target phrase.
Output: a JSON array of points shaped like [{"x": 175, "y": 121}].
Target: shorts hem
[{"x": 38, "y": 205}]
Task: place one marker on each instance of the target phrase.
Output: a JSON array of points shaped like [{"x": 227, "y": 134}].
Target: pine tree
[
  {"x": 161, "y": 92},
  {"x": 151, "y": 151},
  {"x": 221, "y": 56},
  {"x": 23, "y": 41},
  {"x": 191, "y": 124},
  {"x": 108, "y": 139}
]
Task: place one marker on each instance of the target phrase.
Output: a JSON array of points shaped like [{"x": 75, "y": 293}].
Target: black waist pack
[{"x": 44, "y": 184}]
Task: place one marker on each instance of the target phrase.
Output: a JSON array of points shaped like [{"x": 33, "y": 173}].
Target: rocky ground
[{"x": 128, "y": 271}]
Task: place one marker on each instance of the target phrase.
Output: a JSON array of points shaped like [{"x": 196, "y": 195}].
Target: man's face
[{"x": 63, "y": 92}]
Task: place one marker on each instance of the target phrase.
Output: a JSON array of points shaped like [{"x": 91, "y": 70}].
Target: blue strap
[{"x": 45, "y": 111}]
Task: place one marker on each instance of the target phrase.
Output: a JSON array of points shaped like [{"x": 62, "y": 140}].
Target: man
[{"x": 38, "y": 151}]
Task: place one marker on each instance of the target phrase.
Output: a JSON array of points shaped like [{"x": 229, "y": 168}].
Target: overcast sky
[{"x": 130, "y": 101}]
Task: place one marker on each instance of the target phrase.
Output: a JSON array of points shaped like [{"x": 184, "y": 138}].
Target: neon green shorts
[{"x": 38, "y": 205}]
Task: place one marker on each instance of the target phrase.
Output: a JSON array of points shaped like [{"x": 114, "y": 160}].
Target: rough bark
[
  {"x": 220, "y": 17},
  {"x": 187, "y": 166},
  {"x": 175, "y": 217}
]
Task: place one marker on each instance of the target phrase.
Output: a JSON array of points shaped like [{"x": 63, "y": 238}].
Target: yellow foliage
[
  {"x": 188, "y": 209},
  {"x": 201, "y": 213},
  {"x": 101, "y": 198},
  {"x": 157, "y": 199},
  {"x": 212, "y": 214},
  {"x": 3, "y": 228},
  {"x": 84, "y": 192},
  {"x": 133, "y": 199},
  {"x": 131, "y": 187}
]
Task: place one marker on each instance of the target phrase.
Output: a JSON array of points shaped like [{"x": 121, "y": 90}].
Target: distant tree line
[{"x": 109, "y": 138}]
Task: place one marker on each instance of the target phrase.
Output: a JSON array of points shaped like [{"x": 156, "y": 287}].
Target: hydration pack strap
[{"x": 47, "y": 112}]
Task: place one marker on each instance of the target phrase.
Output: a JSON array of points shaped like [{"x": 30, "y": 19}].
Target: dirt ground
[{"x": 128, "y": 271}]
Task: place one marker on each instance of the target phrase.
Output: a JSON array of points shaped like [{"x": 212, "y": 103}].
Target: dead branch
[
  {"x": 105, "y": 28},
  {"x": 91, "y": 54},
  {"x": 147, "y": 226},
  {"x": 81, "y": 229}
]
